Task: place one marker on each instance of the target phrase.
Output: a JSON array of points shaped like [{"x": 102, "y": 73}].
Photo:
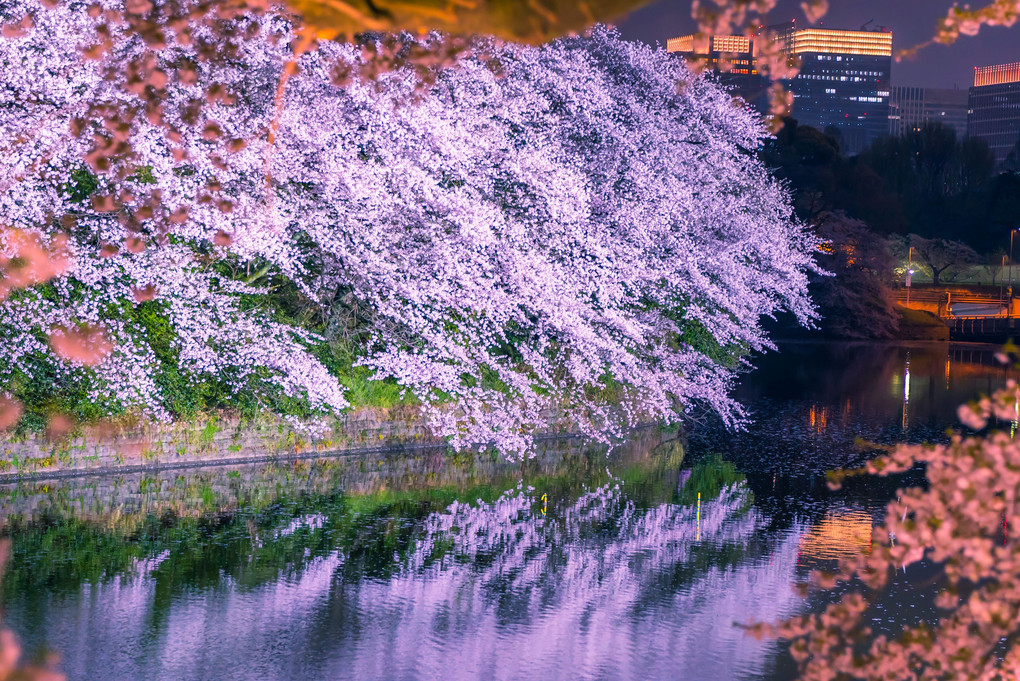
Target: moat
[{"x": 580, "y": 564}]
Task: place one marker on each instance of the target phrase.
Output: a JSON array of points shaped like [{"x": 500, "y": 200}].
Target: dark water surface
[{"x": 576, "y": 565}]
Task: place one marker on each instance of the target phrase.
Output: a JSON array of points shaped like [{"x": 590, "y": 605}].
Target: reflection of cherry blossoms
[
  {"x": 521, "y": 595},
  {"x": 600, "y": 588}
]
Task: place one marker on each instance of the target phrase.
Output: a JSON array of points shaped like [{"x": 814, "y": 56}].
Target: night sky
[{"x": 911, "y": 21}]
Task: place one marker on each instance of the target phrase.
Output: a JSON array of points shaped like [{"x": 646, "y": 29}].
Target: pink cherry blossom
[{"x": 583, "y": 234}]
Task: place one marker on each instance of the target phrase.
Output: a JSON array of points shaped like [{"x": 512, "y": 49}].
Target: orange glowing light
[
  {"x": 996, "y": 75},
  {"x": 701, "y": 44},
  {"x": 825, "y": 41},
  {"x": 840, "y": 533}
]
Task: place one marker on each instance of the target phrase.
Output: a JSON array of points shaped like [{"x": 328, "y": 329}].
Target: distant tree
[
  {"x": 863, "y": 193},
  {"x": 836, "y": 135},
  {"x": 1012, "y": 163},
  {"x": 1002, "y": 209},
  {"x": 933, "y": 151},
  {"x": 975, "y": 164},
  {"x": 991, "y": 265},
  {"x": 942, "y": 183},
  {"x": 944, "y": 259},
  {"x": 823, "y": 180},
  {"x": 856, "y": 302},
  {"x": 807, "y": 159}
]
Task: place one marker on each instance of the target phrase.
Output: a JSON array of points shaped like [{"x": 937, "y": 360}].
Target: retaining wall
[
  {"x": 224, "y": 439},
  {"x": 215, "y": 439}
]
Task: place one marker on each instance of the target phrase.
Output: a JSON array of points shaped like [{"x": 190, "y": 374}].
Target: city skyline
[
  {"x": 911, "y": 21},
  {"x": 843, "y": 82}
]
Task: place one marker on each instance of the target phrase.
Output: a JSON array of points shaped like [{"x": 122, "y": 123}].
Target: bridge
[{"x": 986, "y": 314}]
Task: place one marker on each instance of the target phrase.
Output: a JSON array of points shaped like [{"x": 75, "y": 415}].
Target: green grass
[
  {"x": 921, "y": 325},
  {"x": 363, "y": 391},
  {"x": 910, "y": 317}
]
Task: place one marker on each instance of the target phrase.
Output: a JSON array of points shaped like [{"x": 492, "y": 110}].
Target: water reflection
[
  {"x": 840, "y": 532},
  {"x": 906, "y": 391},
  {"x": 635, "y": 573},
  {"x": 576, "y": 565},
  {"x": 816, "y": 407}
]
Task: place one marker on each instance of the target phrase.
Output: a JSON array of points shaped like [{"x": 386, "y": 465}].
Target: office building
[
  {"x": 732, "y": 58},
  {"x": 843, "y": 81},
  {"x": 995, "y": 108},
  {"x": 910, "y": 108}
]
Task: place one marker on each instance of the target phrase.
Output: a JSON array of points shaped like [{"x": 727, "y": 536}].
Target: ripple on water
[{"x": 337, "y": 574}]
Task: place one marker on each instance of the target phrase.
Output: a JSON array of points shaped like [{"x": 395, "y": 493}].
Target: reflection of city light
[
  {"x": 698, "y": 533},
  {"x": 840, "y": 533},
  {"x": 947, "y": 373},
  {"x": 906, "y": 390},
  {"x": 906, "y": 383},
  {"x": 818, "y": 418}
]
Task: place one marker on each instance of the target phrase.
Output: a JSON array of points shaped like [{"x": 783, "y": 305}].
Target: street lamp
[
  {"x": 1001, "y": 282},
  {"x": 910, "y": 270},
  {"x": 1011, "y": 233}
]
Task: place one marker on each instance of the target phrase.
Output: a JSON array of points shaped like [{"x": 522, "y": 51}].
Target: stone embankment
[
  {"x": 124, "y": 497},
  {"x": 215, "y": 440}
]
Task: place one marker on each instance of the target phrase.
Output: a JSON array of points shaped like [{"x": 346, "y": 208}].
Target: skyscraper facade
[
  {"x": 911, "y": 107},
  {"x": 732, "y": 58},
  {"x": 906, "y": 109},
  {"x": 995, "y": 108},
  {"x": 843, "y": 81}
]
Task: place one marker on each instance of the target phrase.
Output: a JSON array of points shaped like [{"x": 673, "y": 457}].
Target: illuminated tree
[
  {"x": 857, "y": 301},
  {"x": 540, "y": 227},
  {"x": 944, "y": 259}
]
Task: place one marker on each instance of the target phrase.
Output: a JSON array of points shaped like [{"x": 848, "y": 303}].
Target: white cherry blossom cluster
[{"x": 579, "y": 230}]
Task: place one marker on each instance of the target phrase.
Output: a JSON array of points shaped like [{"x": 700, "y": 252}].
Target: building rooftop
[
  {"x": 996, "y": 75},
  {"x": 797, "y": 41},
  {"x": 706, "y": 44},
  {"x": 826, "y": 41}
]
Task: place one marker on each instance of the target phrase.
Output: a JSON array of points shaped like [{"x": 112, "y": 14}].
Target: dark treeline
[
  {"x": 926, "y": 182},
  {"x": 926, "y": 189}
]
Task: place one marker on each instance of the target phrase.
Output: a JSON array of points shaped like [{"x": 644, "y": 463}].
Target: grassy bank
[{"x": 921, "y": 325}]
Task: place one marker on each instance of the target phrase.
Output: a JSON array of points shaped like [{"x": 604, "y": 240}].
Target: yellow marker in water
[
  {"x": 698, "y": 538},
  {"x": 545, "y": 502}
]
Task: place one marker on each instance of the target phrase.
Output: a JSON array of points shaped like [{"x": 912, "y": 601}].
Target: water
[{"x": 576, "y": 565}]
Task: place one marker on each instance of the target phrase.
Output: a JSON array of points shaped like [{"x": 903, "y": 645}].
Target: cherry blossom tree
[
  {"x": 540, "y": 226},
  {"x": 943, "y": 258},
  {"x": 550, "y": 272},
  {"x": 857, "y": 302}
]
